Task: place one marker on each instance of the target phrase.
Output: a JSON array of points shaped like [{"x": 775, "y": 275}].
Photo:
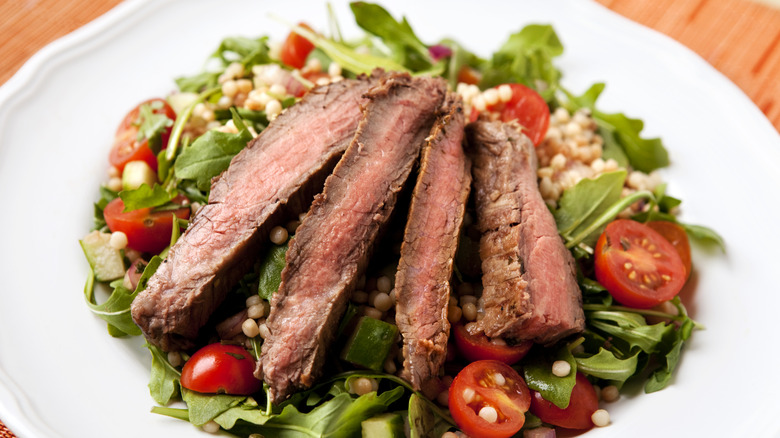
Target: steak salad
[{"x": 385, "y": 237}]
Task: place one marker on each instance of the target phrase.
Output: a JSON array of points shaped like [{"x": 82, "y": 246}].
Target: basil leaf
[
  {"x": 271, "y": 271},
  {"x": 144, "y": 197},
  {"x": 164, "y": 378},
  {"x": 538, "y": 375}
]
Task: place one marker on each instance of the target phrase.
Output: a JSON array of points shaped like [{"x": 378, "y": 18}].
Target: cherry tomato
[
  {"x": 296, "y": 49},
  {"x": 582, "y": 404},
  {"x": 221, "y": 369},
  {"x": 527, "y": 107},
  {"x": 479, "y": 347},
  {"x": 677, "y": 236},
  {"x": 146, "y": 230},
  {"x": 469, "y": 76},
  {"x": 128, "y": 147},
  {"x": 637, "y": 265},
  {"x": 489, "y": 386}
]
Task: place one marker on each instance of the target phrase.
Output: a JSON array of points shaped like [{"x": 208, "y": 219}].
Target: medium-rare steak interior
[
  {"x": 331, "y": 247},
  {"x": 422, "y": 284},
  {"x": 281, "y": 169},
  {"x": 529, "y": 279}
]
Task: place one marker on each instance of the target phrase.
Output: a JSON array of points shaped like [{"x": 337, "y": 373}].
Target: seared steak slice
[
  {"x": 422, "y": 283},
  {"x": 283, "y": 168},
  {"x": 530, "y": 287},
  {"x": 331, "y": 248}
]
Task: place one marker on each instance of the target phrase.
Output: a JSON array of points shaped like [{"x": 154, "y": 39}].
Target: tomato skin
[
  {"x": 221, "y": 369},
  {"x": 677, "y": 236},
  {"x": 637, "y": 265},
  {"x": 582, "y": 404},
  {"x": 527, "y": 107},
  {"x": 511, "y": 400},
  {"x": 479, "y": 347},
  {"x": 126, "y": 146},
  {"x": 146, "y": 231},
  {"x": 296, "y": 49}
]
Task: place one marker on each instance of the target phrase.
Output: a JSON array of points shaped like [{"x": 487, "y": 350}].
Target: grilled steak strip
[
  {"x": 530, "y": 288},
  {"x": 331, "y": 247},
  {"x": 282, "y": 169},
  {"x": 422, "y": 282}
]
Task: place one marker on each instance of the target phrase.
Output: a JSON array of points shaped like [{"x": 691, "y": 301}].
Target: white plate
[{"x": 61, "y": 375}]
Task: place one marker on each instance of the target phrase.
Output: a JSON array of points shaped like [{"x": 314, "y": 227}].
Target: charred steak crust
[
  {"x": 281, "y": 169},
  {"x": 331, "y": 247},
  {"x": 529, "y": 279},
  {"x": 422, "y": 282}
]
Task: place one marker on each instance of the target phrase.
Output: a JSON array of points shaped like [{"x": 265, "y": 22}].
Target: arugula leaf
[
  {"x": 210, "y": 155},
  {"x": 106, "y": 196},
  {"x": 460, "y": 58},
  {"x": 605, "y": 365},
  {"x": 526, "y": 58},
  {"x": 704, "y": 234},
  {"x": 144, "y": 197},
  {"x": 584, "y": 203},
  {"x": 661, "y": 377},
  {"x": 537, "y": 372},
  {"x": 621, "y": 133},
  {"x": 424, "y": 421},
  {"x": 206, "y": 407},
  {"x": 115, "y": 310},
  {"x": 271, "y": 271},
  {"x": 247, "y": 51},
  {"x": 164, "y": 378},
  {"x": 630, "y": 328},
  {"x": 151, "y": 125},
  {"x": 407, "y": 49}
]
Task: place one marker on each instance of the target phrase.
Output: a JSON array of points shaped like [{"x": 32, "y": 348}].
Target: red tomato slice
[
  {"x": 677, "y": 236},
  {"x": 296, "y": 49},
  {"x": 127, "y": 147},
  {"x": 527, "y": 107},
  {"x": 146, "y": 231},
  {"x": 484, "y": 386},
  {"x": 221, "y": 369},
  {"x": 582, "y": 404},
  {"x": 637, "y": 265},
  {"x": 479, "y": 347}
]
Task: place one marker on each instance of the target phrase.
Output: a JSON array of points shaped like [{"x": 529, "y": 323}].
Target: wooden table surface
[{"x": 741, "y": 38}]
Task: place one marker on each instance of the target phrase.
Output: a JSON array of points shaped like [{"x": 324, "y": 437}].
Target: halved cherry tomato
[
  {"x": 479, "y": 347},
  {"x": 527, "y": 107},
  {"x": 296, "y": 49},
  {"x": 677, "y": 236},
  {"x": 146, "y": 230},
  {"x": 127, "y": 144},
  {"x": 487, "y": 384},
  {"x": 582, "y": 404},
  {"x": 221, "y": 369},
  {"x": 637, "y": 265}
]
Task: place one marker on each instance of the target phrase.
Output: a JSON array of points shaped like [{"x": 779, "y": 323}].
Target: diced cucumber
[
  {"x": 136, "y": 174},
  {"x": 106, "y": 261},
  {"x": 389, "y": 425},
  {"x": 370, "y": 343},
  {"x": 180, "y": 101}
]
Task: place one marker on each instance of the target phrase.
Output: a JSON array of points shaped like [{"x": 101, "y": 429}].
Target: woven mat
[{"x": 4, "y": 432}]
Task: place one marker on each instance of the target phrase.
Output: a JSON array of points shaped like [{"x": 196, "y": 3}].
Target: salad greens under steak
[{"x": 621, "y": 346}]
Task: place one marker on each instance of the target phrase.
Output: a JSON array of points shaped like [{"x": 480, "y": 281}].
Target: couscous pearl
[
  {"x": 211, "y": 427},
  {"x": 118, "y": 240},
  {"x": 273, "y": 108},
  {"x": 478, "y": 103},
  {"x": 361, "y": 386},
  {"x": 250, "y": 328},
  {"x": 561, "y": 368},
  {"x": 278, "y": 235},
  {"x": 497, "y": 341},
  {"x": 610, "y": 393},
  {"x": 382, "y": 302},
  {"x": 255, "y": 435},
  {"x": 600, "y": 418},
  {"x": 278, "y": 90},
  {"x": 334, "y": 69},
  {"x": 114, "y": 184},
  {"x": 499, "y": 379},
  {"x": 465, "y": 289},
  {"x": 384, "y": 284},
  {"x": 489, "y": 414},
  {"x": 491, "y": 96},
  {"x": 244, "y": 86},
  {"x": 453, "y": 301},
  {"x": 292, "y": 226},
  {"x": 113, "y": 172},
  {"x": 469, "y": 311},
  {"x": 359, "y": 297},
  {"x": 314, "y": 65},
  {"x": 505, "y": 93},
  {"x": 454, "y": 313},
  {"x": 443, "y": 398},
  {"x": 256, "y": 311},
  {"x": 466, "y": 299},
  {"x": 229, "y": 88},
  {"x": 174, "y": 358},
  {"x": 253, "y": 300},
  {"x": 263, "y": 330},
  {"x": 389, "y": 366},
  {"x": 449, "y": 435},
  {"x": 468, "y": 395},
  {"x": 208, "y": 115},
  {"x": 372, "y": 313}
]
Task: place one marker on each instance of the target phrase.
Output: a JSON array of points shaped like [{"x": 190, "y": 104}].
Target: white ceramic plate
[{"x": 61, "y": 375}]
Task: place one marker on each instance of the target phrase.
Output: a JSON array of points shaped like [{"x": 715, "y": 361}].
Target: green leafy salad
[{"x": 597, "y": 174}]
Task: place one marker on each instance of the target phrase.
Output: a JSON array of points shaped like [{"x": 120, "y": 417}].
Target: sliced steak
[
  {"x": 331, "y": 248},
  {"x": 530, "y": 286},
  {"x": 422, "y": 283},
  {"x": 283, "y": 168}
]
